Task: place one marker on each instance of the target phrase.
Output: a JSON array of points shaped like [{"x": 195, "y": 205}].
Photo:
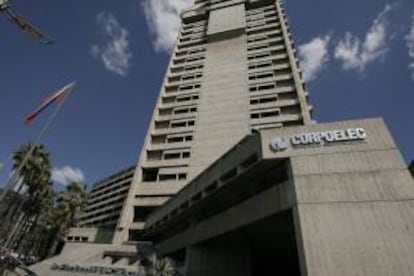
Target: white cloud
[
  {"x": 356, "y": 54},
  {"x": 67, "y": 175},
  {"x": 410, "y": 44},
  {"x": 163, "y": 18},
  {"x": 115, "y": 54},
  {"x": 314, "y": 56}
]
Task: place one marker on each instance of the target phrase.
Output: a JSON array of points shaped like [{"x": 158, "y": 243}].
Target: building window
[
  {"x": 175, "y": 140},
  {"x": 149, "y": 175},
  {"x": 263, "y": 100},
  {"x": 134, "y": 235},
  {"x": 264, "y": 114},
  {"x": 182, "y": 176},
  {"x": 180, "y": 124},
  {"x": 142, "y": 212},
  {"x": 169, "y": 156},
  {"x": 167, "y": 177}
]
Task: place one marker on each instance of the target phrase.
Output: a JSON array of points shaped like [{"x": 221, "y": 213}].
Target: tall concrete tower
[
  {"x": 233, "y": 70},
  {"x": 253, "y": 183}
]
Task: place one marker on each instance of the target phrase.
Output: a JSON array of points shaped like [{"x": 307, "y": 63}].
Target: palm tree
[
  {"x": 32, "y": 164},
  {"x": 35, "y": 173},
  {"x": 67, "y": 206},
  {"x": 164, "y": 267},
  {"x": 155, "y": 265},
  {"x": 75, "y": 197}
]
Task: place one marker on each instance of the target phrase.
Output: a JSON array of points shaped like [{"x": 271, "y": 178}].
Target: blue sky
[{"x": 356, "y": 55}]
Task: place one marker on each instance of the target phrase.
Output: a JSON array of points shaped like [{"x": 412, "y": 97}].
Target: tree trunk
[{"x": 55, "y": 242}]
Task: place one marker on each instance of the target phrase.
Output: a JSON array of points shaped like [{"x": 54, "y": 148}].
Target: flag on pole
[{"x": 60, "y": 94}]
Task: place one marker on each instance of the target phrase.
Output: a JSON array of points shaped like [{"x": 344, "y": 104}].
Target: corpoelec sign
[{"x": 320, "y": 138}]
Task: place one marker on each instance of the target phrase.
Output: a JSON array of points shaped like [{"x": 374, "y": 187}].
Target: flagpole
[{"x": 13, "y": 180}]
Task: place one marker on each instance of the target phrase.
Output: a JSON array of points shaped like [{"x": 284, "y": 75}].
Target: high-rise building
[
  {"x": 253, "y": 183},
  {"x": 233, "y": 70}
]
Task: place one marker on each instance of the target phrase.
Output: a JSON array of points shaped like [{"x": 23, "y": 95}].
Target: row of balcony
[
  {"x": 102, "y": 218},
  {"x": 125, "y": 174},
  {"x": 260, "y": 10},
  {"x": 109, "y": 204},
  {"x": 109, "y": 195},
  {"x": 116, "y": 186}
]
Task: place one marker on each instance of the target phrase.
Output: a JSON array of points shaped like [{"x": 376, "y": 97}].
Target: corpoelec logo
[
  {"x": 279, "y": 144},
  {"x": 318, "y": 138}
]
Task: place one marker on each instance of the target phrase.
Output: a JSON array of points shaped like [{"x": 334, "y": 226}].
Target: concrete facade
[
  {"x": 346, "y": 207},
  {"x": 233, "y": 70}
]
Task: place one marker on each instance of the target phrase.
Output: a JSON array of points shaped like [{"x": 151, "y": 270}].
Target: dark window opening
[
  {"x": 166, "y": 177},
  {"x": 134, "y": 235},
  {"x": 212, "y": 187},
  {"x": 181, "y": 111},
  {"x": 180, "y": 124},
  {"x": 270, "y": 114},
  {"x": 230, "y": 174},
  {"x": 142, "y": 212},
  {"x": 196, "y": 197},
  {"x": 175, "y": 139},
  {"x": 185, "y": 99},
  {"x": 168, "y": 156},
  {"x": 185, "y": 205},
  {"x": 149, "y": 175},
  {"x": 263, "y": 100},
  {"x": 264, "y": 114}
]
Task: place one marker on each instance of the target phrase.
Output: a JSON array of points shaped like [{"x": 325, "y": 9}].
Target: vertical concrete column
[
  {"x": 229, "y": 257},
  {"x": 223, "y": 111}
]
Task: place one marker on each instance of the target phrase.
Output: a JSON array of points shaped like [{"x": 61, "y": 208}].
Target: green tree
[
  {"x": 32, "y": 164},
  {"x": 62, "y": 216},
  {"x": 75, "y": 198},
  {"x": 164, "y": 267},
  {"x": 35, "y": 173},
  {"x": 158, "y": 266}
]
